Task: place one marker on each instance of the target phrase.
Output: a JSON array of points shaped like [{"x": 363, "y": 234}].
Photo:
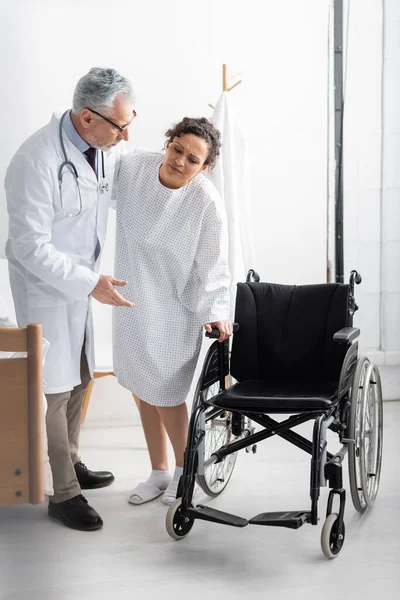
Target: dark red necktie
[{"x": 90, "y": 154}]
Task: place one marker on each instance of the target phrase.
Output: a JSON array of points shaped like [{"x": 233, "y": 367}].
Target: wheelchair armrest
[
  {"x": 346, "y": 335},
  {"x": 215, "y": 332}
]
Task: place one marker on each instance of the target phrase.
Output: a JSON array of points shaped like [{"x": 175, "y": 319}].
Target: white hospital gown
[{"x": 171, "y": 247}]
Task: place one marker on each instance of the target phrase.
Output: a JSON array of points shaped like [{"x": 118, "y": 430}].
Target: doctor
[{"x": 58, "y": 190}]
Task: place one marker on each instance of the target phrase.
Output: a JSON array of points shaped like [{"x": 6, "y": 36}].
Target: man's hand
[
  {"x": 105, "y": 292},
  {"x": 225, "y": 329}
]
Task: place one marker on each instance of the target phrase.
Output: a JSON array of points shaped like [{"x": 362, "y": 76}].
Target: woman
[{"x": 171, "y": 247}]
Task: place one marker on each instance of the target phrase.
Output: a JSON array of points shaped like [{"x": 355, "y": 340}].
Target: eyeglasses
[{"x": 120, "y": 129}]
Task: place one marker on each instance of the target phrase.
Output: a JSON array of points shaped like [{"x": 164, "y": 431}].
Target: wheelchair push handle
[
  {"x": 215, "y": 331},
  {"x": 355, "y": 277},
  {"x": 252, "y": 275}
]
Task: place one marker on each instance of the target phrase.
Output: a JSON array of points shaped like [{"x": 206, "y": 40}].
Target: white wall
[
  {"x": 372, "y": 182},
  {"x": 362, "y": 163},
  {"x": 173, "y": 52},
  {"x": 371, "y": 168},
  {"x": 282, "y": 47},
  {"x": 391, "y": 185}
]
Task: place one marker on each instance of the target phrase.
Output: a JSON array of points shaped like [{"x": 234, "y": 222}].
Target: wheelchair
[{"x": 295, "y": 353}]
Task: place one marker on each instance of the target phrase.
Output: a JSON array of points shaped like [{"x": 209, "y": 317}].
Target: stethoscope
[{"x": 70, "y": 168}]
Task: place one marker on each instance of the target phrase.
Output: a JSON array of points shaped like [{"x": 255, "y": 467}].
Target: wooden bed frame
[{"x": 21, "y": 417}]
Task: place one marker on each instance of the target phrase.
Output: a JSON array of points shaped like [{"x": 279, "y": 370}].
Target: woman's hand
[{"x": 224, "y": 327}]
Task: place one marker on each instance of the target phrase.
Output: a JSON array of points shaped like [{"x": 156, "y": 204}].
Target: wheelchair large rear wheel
[
  {"x": 366, "y": 429},
  {"x": 214, "y": 478}
]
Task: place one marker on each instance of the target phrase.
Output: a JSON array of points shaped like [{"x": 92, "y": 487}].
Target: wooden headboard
[{"x": 21, "y": 417}]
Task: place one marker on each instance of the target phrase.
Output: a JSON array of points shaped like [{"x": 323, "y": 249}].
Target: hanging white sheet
[{"x": 231, "y": 178}]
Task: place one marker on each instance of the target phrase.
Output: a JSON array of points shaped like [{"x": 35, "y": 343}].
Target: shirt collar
[{"x": 73, "y": 135}]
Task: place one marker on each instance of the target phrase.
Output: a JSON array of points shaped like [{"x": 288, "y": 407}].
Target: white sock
[
  {"x": 151, "y": 488},
  {"x": 170, "y": 493},
  {"x": 160, "y": 478}
]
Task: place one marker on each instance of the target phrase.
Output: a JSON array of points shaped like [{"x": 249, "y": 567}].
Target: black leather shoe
[
  {"x": 90, "y": 480},
  {"x": 76, "y": 513}
]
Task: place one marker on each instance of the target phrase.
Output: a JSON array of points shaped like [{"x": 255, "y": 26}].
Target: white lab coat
[{"x": 52, "y": 262}]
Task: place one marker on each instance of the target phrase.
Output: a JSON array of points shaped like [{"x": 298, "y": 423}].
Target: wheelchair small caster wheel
[
  {"x": 177, "y": 526},
  {"x": 332, "y": 540}
]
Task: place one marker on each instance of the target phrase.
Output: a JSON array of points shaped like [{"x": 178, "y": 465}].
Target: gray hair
[{"x": 98, "y": 89}]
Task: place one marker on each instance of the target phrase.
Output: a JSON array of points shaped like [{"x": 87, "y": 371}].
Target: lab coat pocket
[{"x": 42, "y": 295}]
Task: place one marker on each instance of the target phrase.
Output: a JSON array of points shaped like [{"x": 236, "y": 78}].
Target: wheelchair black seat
[{"x": 280, "y": 396}]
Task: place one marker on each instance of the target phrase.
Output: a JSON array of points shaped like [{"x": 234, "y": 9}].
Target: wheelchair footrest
[
  {"x": 293, "y": 520},
  {"x": 216, "y": 516}
]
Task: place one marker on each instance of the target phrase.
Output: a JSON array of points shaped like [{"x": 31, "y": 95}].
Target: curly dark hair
[{"x": 204, "y": 129}]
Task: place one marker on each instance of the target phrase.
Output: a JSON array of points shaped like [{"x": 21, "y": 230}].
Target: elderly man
[{"x": 58, "y": 189}]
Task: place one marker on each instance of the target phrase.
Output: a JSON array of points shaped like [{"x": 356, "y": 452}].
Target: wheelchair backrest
[{"x": 286, "y": 331}]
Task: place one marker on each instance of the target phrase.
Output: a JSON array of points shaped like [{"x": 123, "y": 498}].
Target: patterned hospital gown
[{"x": 171, "y": 247}]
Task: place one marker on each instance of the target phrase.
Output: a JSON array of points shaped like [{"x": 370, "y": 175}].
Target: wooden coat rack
[{"x": 225, "y": 81}]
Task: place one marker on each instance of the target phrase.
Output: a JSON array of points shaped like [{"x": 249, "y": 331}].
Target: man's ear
[
  {"x": 85, "y": 117},
  {"x": 204, "y": 167}
]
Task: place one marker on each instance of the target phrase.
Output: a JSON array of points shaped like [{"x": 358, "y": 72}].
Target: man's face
[{"x": 99, "y": 132}]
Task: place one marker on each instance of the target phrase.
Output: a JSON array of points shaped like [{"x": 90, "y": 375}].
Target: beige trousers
[{"x": 63, "y": 422}]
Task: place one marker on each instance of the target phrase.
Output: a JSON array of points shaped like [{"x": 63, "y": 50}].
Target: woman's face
[{"x": 184, "y": 159}]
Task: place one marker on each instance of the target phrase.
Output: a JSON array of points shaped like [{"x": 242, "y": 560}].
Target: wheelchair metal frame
[{"x": 324, "y": 465}]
